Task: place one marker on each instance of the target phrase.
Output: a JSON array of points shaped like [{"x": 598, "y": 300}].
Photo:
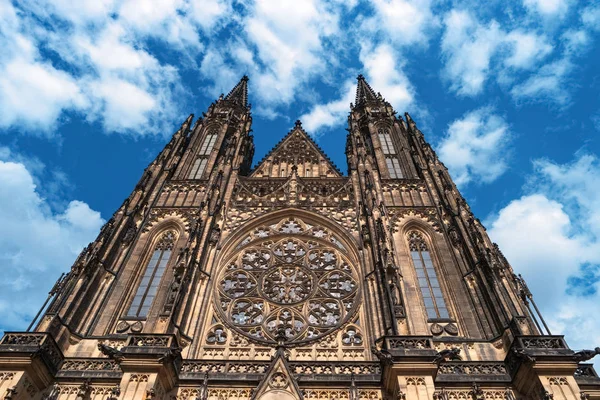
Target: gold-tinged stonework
[{"x": 291, "y": 280}]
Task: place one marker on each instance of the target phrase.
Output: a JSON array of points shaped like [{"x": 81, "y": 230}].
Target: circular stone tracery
[
  {"x": 287, "y": 284},
  {"x": 300, "y": 285}
]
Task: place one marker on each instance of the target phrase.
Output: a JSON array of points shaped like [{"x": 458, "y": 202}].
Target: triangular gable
[
  {"x": 296, "y": 148},
  {"x": 278, "y": 382}
]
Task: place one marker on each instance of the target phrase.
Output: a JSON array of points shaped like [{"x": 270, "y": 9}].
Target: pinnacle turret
[
  {"x": 239, "y": 94},
  {"x": 364, "y": 92}
]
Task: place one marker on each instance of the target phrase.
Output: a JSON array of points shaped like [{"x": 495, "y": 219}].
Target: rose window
[{"x": 301, "y": 285}]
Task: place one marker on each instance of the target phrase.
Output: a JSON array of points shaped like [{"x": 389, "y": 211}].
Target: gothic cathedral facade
[{"x": 291, "y": 280}]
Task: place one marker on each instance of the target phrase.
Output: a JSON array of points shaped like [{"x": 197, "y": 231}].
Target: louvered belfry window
[
  {"x": 427, "y": 277},
  {"x": 153, "y": 274}
]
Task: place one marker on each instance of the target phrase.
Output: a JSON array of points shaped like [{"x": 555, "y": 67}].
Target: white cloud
[
  {"x": 417, "y": 21},
  {"x": 590, "y": 16},
  {"x": 122, "y": 105},
  {"x": 332, "y": 113},
  {"x": 384, "y": 73},
  {"x": 551, "y": 236},
  {"x": 289, "y": 39},
  {"x": 209, "y": 13},
  {"x": 475, "y": 147},
  {"x": 470, "y": 49},
  {"x": 547, "y": 84},
  {"x": 526, "y": 49},
  {"x": 36, "y": 94},
  {"x": 165, "y": 19},
  {"x": 35, "y": 241},
  {"x": 547, "y": 8}
]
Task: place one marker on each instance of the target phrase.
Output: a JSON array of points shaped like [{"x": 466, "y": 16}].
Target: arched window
[
  {"x": 198, "y": 167},
  {"x": 155, "y": 269},
  {"x": 386, "y": 141},
  {"x": 209, "y": 142},
  {"x": 394, "y": 167},
  {"x": 427, "y": 277}
]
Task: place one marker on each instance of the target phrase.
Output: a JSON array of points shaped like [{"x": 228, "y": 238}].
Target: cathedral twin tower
[{"x": 291, "y": 280}]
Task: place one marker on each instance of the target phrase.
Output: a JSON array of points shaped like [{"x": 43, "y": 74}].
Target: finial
[
  {"x": 245, "y": 78},
  {"x": 360, "y": 77},
  {"x": 298, "y": 123}
]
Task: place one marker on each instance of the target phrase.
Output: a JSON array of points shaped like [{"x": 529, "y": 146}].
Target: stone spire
[
  {"x": 239, "y": 94},
  {"x": 364, "y": 92}
]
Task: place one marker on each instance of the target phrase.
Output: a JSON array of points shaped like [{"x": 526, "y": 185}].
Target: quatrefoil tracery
[{"x": 303, "y": 286}]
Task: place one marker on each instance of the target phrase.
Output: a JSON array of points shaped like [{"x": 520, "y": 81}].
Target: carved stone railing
[
  {"x": 532, "y": 349},
  {"x": 585, "y": 374},
  {"x": 31, "y": 345},
  {"x": 408, "y": 343},
  {"x": 467, "y": 371},
  {"x": 304, "y": 370},
  {"x": 89, "y": 368},
  {"x": 151, "y": 340},
  {"x": 415, "y": 347},
  {"x": 541, "y": 342}
]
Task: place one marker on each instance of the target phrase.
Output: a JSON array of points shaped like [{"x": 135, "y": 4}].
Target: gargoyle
[
  {"x": 110, "y": 352},
  {"x": 585, "y": 355},
  {"x": 447, "y": 355},
  {"x": 383, "y": 356},
  {"x": 523, "y": 355},
  {"x": 171, "y": 355}
]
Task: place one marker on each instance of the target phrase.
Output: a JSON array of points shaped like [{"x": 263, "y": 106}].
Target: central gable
[{"x": 298, "y": 150}]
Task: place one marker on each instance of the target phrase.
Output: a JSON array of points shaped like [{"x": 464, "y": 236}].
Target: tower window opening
[
  {"x": 207, "y": 145},
  {"x": 394, "y": 169},
  {"x": 386, "y": 142},
  {"x": 153, "y": 274},
  {"x": 198, "y": 168},
  {"x": 427, "y": 277}
]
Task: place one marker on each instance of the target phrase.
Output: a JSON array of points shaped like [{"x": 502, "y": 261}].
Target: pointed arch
[
  {"x": 347, "y": 241},
  {"x": 422, "y": 259},
  {"x": 161, "y": 243}
]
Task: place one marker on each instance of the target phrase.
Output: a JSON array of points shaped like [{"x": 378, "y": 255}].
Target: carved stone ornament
[
  {"x": 302, "y": 283},
  {"x": 451, "y": 329},
  {"x": 122, "y": 326},
  {"x": 436, "y": 329},
  {"x": 137, "y": 327}
]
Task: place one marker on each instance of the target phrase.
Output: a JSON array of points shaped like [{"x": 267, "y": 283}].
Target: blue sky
[{"x": 507, "y": 93}]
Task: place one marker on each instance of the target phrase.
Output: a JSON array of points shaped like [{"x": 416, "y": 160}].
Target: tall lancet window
[
  {"x": 153, "y": 274},
  {"x": 427, "y": 277},
  {"x": 200, "y": 163},
  {"x": 208, "y": 144},
  {"x": 391, "y": 158}
]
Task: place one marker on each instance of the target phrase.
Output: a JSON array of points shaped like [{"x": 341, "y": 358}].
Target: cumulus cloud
[
  {"x": 418, "y": 21},
  {"x": 35, "y": 240},
  {"x": 475, "y": 147},
  {"x": 547, "y": 8},
  {"x": 98, "y": 66},
  {"x": 551, "y": 236},
  {"x": 469, "y": 46},
  {"x": 384, "y": 73},
  {"x": 290, "y": 38}
]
